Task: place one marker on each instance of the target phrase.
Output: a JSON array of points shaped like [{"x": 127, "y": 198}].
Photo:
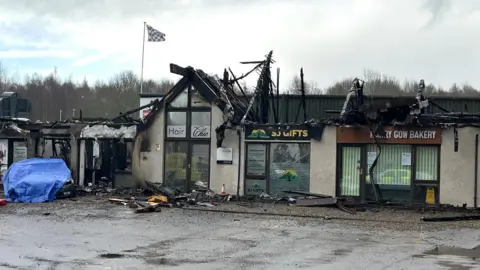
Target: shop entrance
[
  {"x": 187, "y": 141},
  {"x": 274, "y": 167},
  {"x": 186, "y": 163}
]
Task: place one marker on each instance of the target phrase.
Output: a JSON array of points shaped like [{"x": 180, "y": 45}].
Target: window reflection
[
  {"x": 201, "y": 118},
  {"x": 176, "y": 165},
  {"x": 289, "y": 167},
  {"x": 176, "y": 118}
]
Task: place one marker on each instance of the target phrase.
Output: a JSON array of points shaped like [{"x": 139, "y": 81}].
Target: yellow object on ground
[
  {"x": 430, "y": 198},
  {"x": 157, "y": 198}
]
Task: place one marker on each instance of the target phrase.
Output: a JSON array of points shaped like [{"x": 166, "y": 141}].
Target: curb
[{"x": 301, "y": 216}]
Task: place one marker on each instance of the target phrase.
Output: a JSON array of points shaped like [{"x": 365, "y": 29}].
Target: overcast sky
[{"x": 438, "y": 40}]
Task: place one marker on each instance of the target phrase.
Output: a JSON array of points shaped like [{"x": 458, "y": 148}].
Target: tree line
[
  {"x": 53, "y": 98},
  {"x": 378, "y": 84}
]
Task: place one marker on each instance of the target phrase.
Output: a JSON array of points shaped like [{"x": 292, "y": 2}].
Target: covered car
[{"x": 35, "y": 179}]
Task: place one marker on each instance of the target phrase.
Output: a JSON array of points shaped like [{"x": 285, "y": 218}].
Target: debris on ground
[
  {"x": 314, "y": 199},
  {"x": 451, "y": 218},
  {"x": 161, "y": 196}
]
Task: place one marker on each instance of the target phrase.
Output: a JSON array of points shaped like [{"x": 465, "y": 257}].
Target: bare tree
[{"x": 49, "y": 94}]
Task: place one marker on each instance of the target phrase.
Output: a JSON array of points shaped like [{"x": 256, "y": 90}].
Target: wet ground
[{"x": 98, "y": 235}]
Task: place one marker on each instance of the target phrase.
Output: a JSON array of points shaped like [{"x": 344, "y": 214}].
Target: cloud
[
  {"x": 434, "y": 40},
  {"x": 37, "y": 54}
]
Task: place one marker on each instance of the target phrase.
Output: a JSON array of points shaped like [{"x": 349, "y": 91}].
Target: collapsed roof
[{"x": 211, "y": 89}]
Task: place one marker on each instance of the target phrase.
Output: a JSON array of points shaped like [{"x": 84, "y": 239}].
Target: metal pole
[
  {"x": 143, "y": 54},
  {"x": 60, "y": 115}
]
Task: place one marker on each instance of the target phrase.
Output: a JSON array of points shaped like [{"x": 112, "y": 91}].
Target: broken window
[
  {"x": 392, "y": 173},
  {"x": 196, "y": 99},
  {"x": 289, "y": 167}
]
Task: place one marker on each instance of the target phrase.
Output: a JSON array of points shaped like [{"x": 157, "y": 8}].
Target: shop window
[
  {"x": 392, "y": 174},
  {"x": 256, "y": 160},
  {"x": 256, "y": 169},
  {"x": 289, "y": 167},
  {"x": 176, "y": 160},
  {"x": 180, "y": 101},
  {"x": 200, "y": 125},
  {"x": 176, "y": 124},
  {"x": 426, "y": 163},
  {"x": 196, "y": 99},
  {"x": 350, "y": 177}
]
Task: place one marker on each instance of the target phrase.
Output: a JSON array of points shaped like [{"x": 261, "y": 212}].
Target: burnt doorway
[{"x": 187, "y": 141}]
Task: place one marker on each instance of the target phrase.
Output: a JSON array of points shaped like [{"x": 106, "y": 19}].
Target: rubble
[{"x": 161, "y": 196}]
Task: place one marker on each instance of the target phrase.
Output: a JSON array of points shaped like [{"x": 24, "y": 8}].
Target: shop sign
[
  {"x": 224, "y": 155},
  {"x": 200, "y": 131},
  {"x": 176, "y": 131},
  {"x": 19, "y": 151},
  {"x": 399, "y": 135},
  {"x": 277, "y": 132}
]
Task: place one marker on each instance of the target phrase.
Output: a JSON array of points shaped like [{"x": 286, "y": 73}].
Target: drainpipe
[
  {"x": 476, "y": 173},
  {"x": 240, "y": 161}
]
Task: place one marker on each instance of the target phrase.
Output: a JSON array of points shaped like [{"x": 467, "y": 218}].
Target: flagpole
[{"x": 143, "y": 57}]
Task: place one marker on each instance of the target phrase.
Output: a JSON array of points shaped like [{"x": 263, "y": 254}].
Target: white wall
[
  {"x": 226, "y": 174},
  {"x": 149, "y": 165},
  {"x": 457, "y": 169},
  {"x": 323, "y": 162}
]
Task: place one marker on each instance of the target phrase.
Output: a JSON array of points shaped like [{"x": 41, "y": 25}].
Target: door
[
  {"x": 186, "y": 163},
  {"x": 199, "y": 164},
  {"x": 350, "y": 171},
  {"x": 176, "y": 164}
]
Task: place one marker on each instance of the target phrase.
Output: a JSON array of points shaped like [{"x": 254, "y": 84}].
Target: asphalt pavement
[{"x": 106, "y": 236}]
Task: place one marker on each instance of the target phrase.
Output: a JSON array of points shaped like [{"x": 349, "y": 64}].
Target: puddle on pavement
[
  {"x": 454, "y": 258},
  {"x": 111, "y": 255}
]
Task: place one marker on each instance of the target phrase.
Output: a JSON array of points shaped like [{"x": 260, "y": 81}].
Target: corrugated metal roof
[{"x": 317, "y": 105}]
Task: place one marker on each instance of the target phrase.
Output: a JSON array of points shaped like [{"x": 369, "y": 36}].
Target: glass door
[
  {"x": 176, "y": 163},
  {"x": 199, "y": 164},
  {"x": 351, "y": 170}
]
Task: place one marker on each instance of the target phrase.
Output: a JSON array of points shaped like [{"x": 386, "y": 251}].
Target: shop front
[
  {"x": 407, "y": 166},
  {"x": 187, "y": 141},
  {"x": 277, "y": 159}
]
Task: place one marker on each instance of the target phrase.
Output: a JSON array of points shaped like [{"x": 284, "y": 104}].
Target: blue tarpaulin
[{"x": 35, "y": 179}]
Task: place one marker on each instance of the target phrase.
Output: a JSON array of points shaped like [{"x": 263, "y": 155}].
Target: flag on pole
[{"x": 154, "y": 35}]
